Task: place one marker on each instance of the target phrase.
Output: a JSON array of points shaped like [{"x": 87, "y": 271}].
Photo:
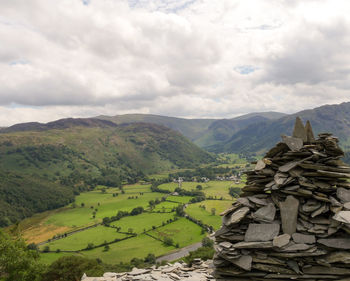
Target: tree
[
  {"x": 213, "y": 210},
  {"x": 168, "y": 241},
  {"x": 106, "y": 248},
  {"x": 151, "y": 258},
  {"x": 17, "y": 262},
  {"x": 199, "y": 187},
  {"x": 46, "y": 249},
  {"x": 72, "y": 268}
]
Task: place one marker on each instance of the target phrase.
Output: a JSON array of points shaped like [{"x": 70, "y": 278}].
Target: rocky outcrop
[{"x": 199, "y": 271}]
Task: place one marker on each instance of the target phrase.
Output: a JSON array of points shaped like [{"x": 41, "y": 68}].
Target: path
[{"x": 180, "y": 253}]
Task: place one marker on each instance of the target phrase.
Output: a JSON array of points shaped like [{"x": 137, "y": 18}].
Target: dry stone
[{"x": 296, "y": 225}]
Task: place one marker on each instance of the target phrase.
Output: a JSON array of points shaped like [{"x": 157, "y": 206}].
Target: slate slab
[
  {"x": 281, "y": 240},
  {"x": 289, "y": 214},
  {"x": 303, "y": 238},
  {"x": 261, "y": 232},
  {"x": 337, "y": 243}
]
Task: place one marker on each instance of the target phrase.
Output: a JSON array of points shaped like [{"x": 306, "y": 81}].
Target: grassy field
[
  {"x": 143, "y": 221},
  {"x": 165, "y": 206},
  {"x": 106, "y": 206},
  {"x": 216, "y": 189},
  {"x": 179, "y": 199},
  {"x": 205, "y": 215},
  {"x": 181, "y": 231},
  {"x": 80, "y": 240},
  {"x": 123, "y": 251}
]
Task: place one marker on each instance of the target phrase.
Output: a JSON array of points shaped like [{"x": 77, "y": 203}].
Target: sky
[{"x": 183, "y": 58}]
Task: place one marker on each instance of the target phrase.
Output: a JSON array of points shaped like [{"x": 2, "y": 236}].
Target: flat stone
[
  {"x": 258, "y": 201},
  {"x": 281, "y": 240},
  {"x": 343, "y": 194},
  {"x": 261, "y": 232},
  {"x": 236, "y": 216},
  {"x": 289, "y": 214},
  {"x": 303, "y": 238},
  {"x": 294, "y": 144},
  {"x": 266, "y": 213},
  {"x": 138, "y": 271},
  {"x": 253, "y": 245},
  {"x": 296, "y": 247},
  {"x": 244, "y": 262},
  {"x": 289, "y": 166},
  {"x": 337, "y": 243},
  {"x": 338, "y": 257},
  {"x": 326, "y": 270},
  {"x": 260, "y": 165},
  {"x": 342, "y": 216},
  {"x": 272, "y": 268},
  {"x": 347, "y": 205}
]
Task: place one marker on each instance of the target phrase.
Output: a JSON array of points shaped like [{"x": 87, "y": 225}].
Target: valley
[{"x": 81, "y": 229}]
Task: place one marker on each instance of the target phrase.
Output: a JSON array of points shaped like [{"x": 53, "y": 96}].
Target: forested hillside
[{"x": 42, "y": 168}]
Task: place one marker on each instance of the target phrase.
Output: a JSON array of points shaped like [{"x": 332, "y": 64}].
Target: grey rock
[
  {"x": 244, "y": 262},
  {"x": 343, "y": 194},
  {"x": 299, "y": 130},
  {"x": 337, "y": 243},
  {"x": 260, "y": 165},
  {"x": 281, "y": 240},
  {"x": 236, "y": 216},
  {"x": 304, "y": 238},
  {"x": 342, "y": 216},
  {"x": 289, "y": 214},
  {"x": 261, "y": 232},
  {"x": 294, "y": 144},
  {"x": 253, "y": 245},
  {"x": 266, "y": 213}
]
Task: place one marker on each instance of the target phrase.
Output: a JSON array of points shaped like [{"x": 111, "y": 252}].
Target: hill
[
  {"x": 72, "y": 155},
  {"x": 257, "y": 137},
  {"x": 203, "y": 132}
]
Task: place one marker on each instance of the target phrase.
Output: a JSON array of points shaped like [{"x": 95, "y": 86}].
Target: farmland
[{"x": 78, "y": 229}]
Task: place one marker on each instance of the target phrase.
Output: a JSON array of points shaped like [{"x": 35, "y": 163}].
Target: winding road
[{"x": 180, "y": 253}]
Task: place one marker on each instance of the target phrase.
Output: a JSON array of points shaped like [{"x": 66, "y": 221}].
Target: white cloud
[{"x": 189, "y": 58}]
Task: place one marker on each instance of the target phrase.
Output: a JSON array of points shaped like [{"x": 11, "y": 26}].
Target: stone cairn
[{"x": 292, "y": 221}]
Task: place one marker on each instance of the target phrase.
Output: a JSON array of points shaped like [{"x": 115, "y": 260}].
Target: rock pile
[
  {"x": 292, "y": 220},
  {"x": 200, "y": 271}
]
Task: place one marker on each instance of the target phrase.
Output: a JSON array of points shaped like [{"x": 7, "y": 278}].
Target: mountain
[
  {"x": 43, "y": 162},
  {"x": 203, "y": 132},
  {"x": 258, "y": 137}
]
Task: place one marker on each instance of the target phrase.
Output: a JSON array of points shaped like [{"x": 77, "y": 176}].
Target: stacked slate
[{"x": 292, "y": 221}]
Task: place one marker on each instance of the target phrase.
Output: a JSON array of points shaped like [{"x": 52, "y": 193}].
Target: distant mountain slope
[
  {"x": 191, "y": 128},
  {"x": 203, "y": 132},
  {"x": 82, "y": 154},
  {"x": 259, "y": 136}
]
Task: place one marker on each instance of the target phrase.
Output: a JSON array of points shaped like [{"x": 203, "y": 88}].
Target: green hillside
[
  {"x": 259, "y": 136},
  {"x": 203, "y": 132},
  {"x": 63, "y": 158}
]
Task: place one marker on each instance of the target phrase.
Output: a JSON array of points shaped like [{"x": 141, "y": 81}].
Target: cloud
[{"x": 188, "y": 58}]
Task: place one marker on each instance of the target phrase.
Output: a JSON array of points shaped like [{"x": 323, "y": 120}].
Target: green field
[
  {"x": 181, "y": 231},
  {"x": 143, "y": 221},
  {"x": 205, "y": 215},
  {"x": 106, "y": 206},
  {"x": 216, "y": 189},
  {"x": 80, "y": 240},
  {"x": 165, "y": 206},
  {"x": 179, "y": 199}
]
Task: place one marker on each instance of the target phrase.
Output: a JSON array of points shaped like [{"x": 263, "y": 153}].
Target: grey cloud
[{"x": 315, "y": 55}]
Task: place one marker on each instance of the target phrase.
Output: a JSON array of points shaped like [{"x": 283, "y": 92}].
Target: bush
[{"x": 168, "y": 241}]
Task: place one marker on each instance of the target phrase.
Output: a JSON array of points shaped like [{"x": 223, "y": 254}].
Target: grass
[
  {"x": 181, "y": 231},
  {"x": 216, "y": 189},
  {"x": 123, "y": 251},
  {"x": 205, "y": 215},
  {"x": 106, "y": 206},
  {"x": 165, "y": 206},
  {"x": 143, "y": 221},
  {"x": 179, "y": 199},
  {"x": 80, "y": 240}
]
